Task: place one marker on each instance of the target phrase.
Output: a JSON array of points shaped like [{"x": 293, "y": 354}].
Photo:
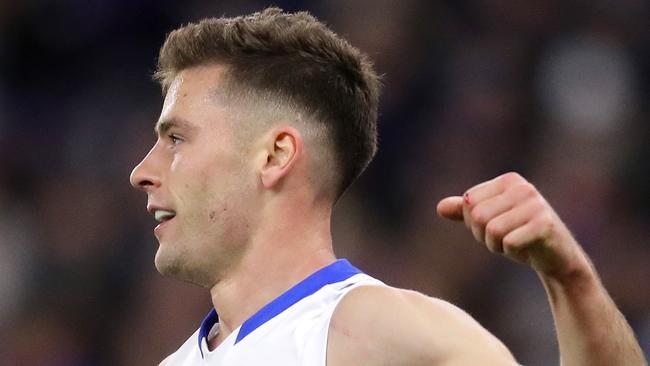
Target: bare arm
[
  {"x": 510, "y": 216},
  {"x": 590, "y": 329},
  {"x": 377, "y": 325}
]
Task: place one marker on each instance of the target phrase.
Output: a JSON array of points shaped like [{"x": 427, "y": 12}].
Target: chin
[
  {"x": 169, "y": 264},
  {"x": 165, "y": 266},
  {"x": 177, "y": 267}
]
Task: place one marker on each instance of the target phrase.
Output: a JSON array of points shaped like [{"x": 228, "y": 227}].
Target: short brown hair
[{"x": 298, "y": 58}]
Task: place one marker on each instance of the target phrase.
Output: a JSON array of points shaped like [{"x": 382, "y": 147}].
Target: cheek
[
  {"x": 224, "y": 203},
  {"x": 203, "y": 194},
  {"x": 210, "y": 190},
  {"x": 188, "y": 186}
]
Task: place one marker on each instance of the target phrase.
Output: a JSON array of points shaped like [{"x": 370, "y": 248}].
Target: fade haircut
[{"x": 296, "y": 58}]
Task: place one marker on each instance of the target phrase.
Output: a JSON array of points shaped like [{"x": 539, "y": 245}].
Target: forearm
[
  {"x": 590, "y": 328},
  {"x": 511, "y": 217}
]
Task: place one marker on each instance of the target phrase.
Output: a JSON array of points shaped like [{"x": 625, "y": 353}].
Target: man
[{"x": 267, "y": 119}]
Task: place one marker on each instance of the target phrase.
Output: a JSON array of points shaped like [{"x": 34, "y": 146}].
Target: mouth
[{"x": 164, "y": 215}]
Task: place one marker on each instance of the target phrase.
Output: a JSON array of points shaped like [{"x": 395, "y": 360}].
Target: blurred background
[{"x": 557, "y": 90}]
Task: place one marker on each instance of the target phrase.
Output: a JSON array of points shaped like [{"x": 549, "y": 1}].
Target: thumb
[{"x": 451, "y": 208}]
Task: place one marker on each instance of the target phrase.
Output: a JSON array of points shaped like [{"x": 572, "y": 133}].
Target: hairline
[{"x": 272, "y": 108}]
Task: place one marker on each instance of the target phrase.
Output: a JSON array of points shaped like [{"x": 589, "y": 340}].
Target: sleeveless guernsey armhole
[
  {"x": 365, "y": 280},
  {"x": 335, "y": 272}
]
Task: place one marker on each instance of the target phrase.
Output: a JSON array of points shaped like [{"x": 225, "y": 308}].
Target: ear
[{"x": 284, "y": 148}]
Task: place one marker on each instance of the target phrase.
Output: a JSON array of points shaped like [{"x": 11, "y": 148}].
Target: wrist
[
  {"x": 579, "y": 279},
  {"x": 564, "y": 263}
]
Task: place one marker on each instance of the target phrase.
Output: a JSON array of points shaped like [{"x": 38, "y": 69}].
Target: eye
[{"x": 175, "y": 139}]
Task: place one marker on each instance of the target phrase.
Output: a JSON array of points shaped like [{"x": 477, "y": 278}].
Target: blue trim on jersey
[
  {"x": 206, "y": 325},
  {"x": 335, "y": 272}
]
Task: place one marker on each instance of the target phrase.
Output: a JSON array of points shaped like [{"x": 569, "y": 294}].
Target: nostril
[
  {"x": 144, "y": 184},
  {"x": 140, "y": 179}
]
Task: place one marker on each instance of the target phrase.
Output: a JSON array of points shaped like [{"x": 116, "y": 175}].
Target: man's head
[
  {"x": 257, "y": 109},
  {"x": 291, "y": 62}
]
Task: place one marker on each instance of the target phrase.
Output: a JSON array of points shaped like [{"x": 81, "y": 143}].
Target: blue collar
[{"x": 335, "y": 272}]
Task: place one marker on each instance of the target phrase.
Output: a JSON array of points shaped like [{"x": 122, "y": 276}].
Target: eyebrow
[{"x": 163, "y": 126}]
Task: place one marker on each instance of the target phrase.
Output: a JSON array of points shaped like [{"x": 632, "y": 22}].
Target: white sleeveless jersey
[{"x": 290, "y": 330}]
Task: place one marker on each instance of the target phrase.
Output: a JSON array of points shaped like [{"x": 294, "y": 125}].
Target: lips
[
  {"x": 160, "y": 212},
  {"x": 163, "y": 215}
]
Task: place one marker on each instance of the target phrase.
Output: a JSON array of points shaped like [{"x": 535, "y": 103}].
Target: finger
[
  {"x": 487, "y": 210},
  {"x": 494, "y": 187},
  {"x": 545, "y": 245},
  {"x": 517, "y": 195},
  {"x": 483, "y": 191},
  {"x": 492, "y": 207},
  {"x": 451, "y": 208},
  {"x": 500, "y": 226},
  {"x": 516, "y": 244},
  {"x": 472, "y": 198}
]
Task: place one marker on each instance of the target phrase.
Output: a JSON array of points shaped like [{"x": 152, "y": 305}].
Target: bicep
[
  {"x": 460, "y": 338},
  {"x": 381, "y": 325}
]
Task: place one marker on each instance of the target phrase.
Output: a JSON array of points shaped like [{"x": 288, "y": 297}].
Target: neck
[{"x": 279, "y": 257}]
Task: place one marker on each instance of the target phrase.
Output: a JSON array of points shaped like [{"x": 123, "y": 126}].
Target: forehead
[
  {"x": 191, "y": 95},
  {"x": 198, "y": 79}
]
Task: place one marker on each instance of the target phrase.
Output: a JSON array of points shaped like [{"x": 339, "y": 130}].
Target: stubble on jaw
[{"x": 180, "y": 267}]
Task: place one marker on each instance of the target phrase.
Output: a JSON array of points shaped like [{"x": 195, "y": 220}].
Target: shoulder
[
  {"x": 385, "y": 325},
  {"x": 164, "y": 362}
]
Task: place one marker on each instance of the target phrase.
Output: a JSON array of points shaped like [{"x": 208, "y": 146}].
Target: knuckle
[
  {"x": 478, "y": 216},
  {"x": 543, "y": 227},
  {"x": 539, "y": 206},
  {"x": 494, "y": 229},
  {"x": 525, "y": 189},
  {"x": 540, "y": 200},
  {"x": 511, "y": 178},
  {"x": 509, "y": 244},
  {"x": 508, "y": 247},
  {"x": 547, "y": 224},
  {"x": 542, "y": 212}
]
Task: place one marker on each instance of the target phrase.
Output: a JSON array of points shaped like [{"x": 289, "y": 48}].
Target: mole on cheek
[{"x": 212, "y": 215}]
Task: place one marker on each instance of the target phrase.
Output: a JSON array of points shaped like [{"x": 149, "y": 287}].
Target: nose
[{"x": 146, "y": 176}]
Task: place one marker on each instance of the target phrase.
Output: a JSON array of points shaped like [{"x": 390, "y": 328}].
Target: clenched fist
[{"x": 511, "y": 217}]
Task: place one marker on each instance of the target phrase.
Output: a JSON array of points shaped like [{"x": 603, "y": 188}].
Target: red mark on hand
[{"x": 466, "y": 198}]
